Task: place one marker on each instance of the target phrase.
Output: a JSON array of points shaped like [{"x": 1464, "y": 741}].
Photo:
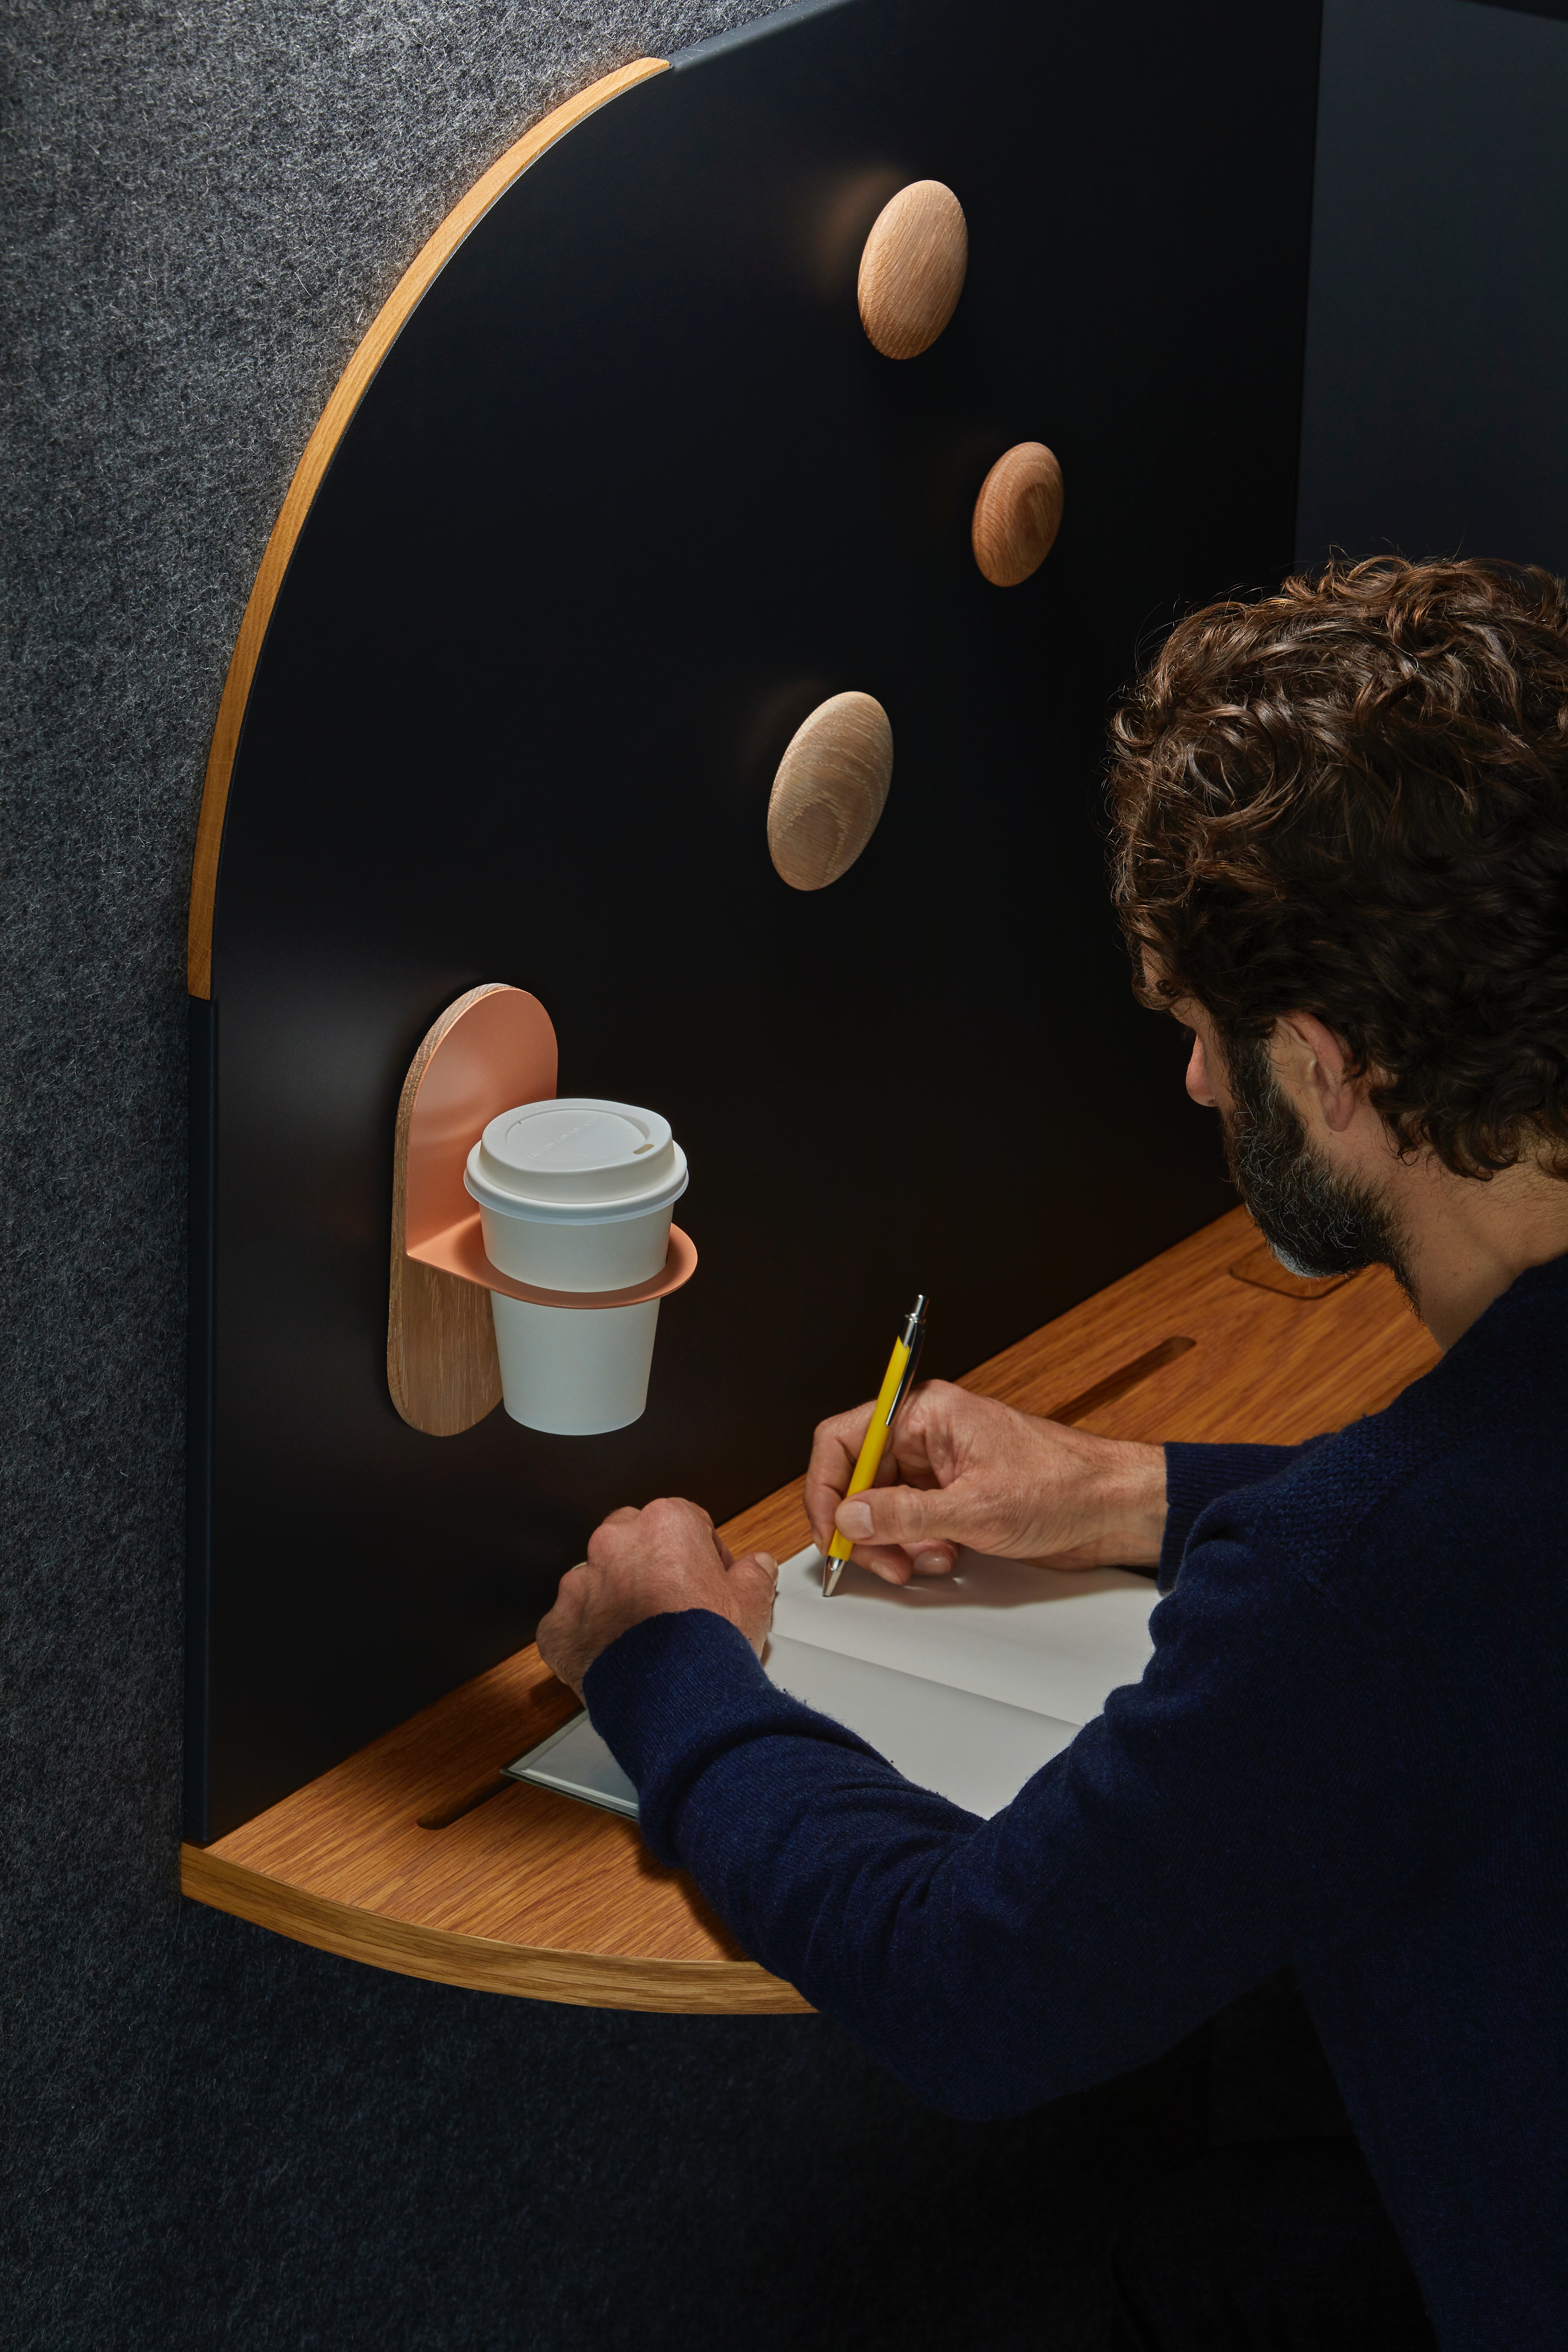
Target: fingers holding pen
[
  {"x": 906, "y": 1463},
  {"x": 835, "y": 1449},
  {"x": 896, "y": 1532}
]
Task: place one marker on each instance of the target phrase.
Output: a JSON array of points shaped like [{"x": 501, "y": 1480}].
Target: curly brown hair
[{"x": 1351, "y": 799}]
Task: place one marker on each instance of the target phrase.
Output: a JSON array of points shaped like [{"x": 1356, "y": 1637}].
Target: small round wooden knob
[
  {"x": 830, "y": 790},
  {"x": 1017, "y": 514},
  {"x": 912, "y": 271}
]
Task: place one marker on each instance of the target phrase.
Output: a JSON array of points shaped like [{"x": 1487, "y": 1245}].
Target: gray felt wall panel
[{"x": 216, "y": 2138}]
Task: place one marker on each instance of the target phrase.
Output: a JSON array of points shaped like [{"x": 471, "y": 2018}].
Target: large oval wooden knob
[
  {"x": 1017, "y": 514},
  {"x": 911, "y": 270},
  {"x": 830, "y": 790}
]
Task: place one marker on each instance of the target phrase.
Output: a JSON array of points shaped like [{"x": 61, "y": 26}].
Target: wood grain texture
[
  {"x": 1017, "y": 514},
  {"x": 492, "y": 1048},
  {"x": 525, "y": 1891},
  {"x": 912, "y": 269},
  {"x": 830, "y": 791},
  {"x": 308, "y": 475},
  {"x": 1121, "y": 1383},
  {"x": 777, "y": 1524},
  {"x": 1260, "y": 1266},
  {"x": 442, "y": 1368},
  {"x": 1265, "y": 1369},
  {"x": 481, "y": 1964}
]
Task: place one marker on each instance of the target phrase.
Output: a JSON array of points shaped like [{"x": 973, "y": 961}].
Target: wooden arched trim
[{"x": 351, "y": 390}]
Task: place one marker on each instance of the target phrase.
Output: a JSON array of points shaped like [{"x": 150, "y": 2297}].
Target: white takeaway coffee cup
[{"x": 575, "y": 1194}]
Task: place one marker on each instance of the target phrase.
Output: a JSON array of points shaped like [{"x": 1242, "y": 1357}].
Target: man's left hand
[{"x": 643, "y": 1563}]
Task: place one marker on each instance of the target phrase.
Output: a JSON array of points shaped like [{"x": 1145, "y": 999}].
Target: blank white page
[
  {"x": 1041, "y": 1638},
  {"x": 977, "y": 1752}
]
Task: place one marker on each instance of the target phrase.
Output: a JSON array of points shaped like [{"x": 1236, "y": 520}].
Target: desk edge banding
[{"x": 479, "y": 1963}]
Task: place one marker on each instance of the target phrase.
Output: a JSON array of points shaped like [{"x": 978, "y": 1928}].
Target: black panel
[
  {"x": 1437, "y": 349},
  {"x": 629, "y": 495}
]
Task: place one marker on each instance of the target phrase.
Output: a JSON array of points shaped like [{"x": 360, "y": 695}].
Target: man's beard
[{"x": 1316, "y": 1222}]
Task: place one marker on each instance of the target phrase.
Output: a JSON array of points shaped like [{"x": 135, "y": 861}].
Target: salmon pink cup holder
[{"x": 560, "y": 1209}]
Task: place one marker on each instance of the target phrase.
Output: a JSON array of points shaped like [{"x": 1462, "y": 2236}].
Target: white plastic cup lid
[{"x": 576, "y": 1161}]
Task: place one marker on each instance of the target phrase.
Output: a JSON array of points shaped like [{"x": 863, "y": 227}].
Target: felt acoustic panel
[{"x": 627, "y": 497}]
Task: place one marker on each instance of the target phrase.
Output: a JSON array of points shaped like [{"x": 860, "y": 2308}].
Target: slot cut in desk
[{"x": 414, "y": 1855}]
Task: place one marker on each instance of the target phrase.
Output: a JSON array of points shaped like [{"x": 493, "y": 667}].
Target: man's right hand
[{"x": 963, "y": 1469}]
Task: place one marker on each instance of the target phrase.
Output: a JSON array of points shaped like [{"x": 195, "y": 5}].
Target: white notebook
[{"x": 967, "y": 1682}]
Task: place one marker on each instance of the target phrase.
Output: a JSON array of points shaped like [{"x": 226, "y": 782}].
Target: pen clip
[{"x": 907, "y": 1377}]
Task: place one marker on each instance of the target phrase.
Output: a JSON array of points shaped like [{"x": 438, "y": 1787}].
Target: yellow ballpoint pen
[{"x": 897, "y": 1383}]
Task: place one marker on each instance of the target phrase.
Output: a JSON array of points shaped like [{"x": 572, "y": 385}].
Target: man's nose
[{"x": 1198, "y": 1085}]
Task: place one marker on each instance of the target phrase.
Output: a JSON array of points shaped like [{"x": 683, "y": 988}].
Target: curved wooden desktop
[{"x": 413, "y": 1855}]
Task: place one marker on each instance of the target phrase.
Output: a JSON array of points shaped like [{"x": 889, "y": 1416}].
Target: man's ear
[{"x": 1312, "y": 1063}]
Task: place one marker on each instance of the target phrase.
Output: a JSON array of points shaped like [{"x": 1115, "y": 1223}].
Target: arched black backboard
[{"x": 629, "y": 494}]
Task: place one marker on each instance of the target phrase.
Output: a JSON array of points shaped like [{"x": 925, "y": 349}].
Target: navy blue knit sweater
[{"x": 1349, "y": 1752}]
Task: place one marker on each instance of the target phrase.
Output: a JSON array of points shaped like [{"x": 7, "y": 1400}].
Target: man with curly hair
[{"x": 1340, "y": 822}]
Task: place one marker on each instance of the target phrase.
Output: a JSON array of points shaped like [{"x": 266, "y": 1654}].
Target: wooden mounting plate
[
  {"x": 494, "y": 1047},
  {"x": 521, "y": 1890}
]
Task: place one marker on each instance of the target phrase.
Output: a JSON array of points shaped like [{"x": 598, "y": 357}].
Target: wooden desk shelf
[{"x": 512, "y": 1889}]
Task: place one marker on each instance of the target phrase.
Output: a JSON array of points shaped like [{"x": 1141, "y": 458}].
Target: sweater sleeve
[
  {"x": 1249, "y": 1797},
  {"x": 1196, "y": 1476}
]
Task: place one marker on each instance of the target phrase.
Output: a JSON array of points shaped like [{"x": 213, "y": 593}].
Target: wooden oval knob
[
  {"x": 830, "y": 790},
  {"x": 911, "y": 270},
  {"x": 1017, "y": 514}
]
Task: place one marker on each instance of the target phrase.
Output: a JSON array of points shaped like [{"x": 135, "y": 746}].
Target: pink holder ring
[{"x": 459, "y": 1249}]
